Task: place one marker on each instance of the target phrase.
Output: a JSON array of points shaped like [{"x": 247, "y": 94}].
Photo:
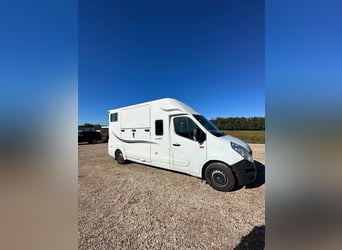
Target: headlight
[{"x": 242, "y": 151}]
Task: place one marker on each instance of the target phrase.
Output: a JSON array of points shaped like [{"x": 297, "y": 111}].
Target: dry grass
[{"x": 248, "y": 136}]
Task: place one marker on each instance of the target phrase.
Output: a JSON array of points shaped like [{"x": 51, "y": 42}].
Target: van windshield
[{"x": 209, "y": 126}]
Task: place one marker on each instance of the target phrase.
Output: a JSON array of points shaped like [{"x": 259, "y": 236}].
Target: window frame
[{"x": 190, "y": 136}]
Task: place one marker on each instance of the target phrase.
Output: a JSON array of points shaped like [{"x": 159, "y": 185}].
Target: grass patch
[{"x": 248, "y": 136}]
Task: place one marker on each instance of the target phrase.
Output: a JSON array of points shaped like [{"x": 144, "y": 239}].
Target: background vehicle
[
  {"x": 104, "y": 133},
  {"x": 91, "y": 137}
]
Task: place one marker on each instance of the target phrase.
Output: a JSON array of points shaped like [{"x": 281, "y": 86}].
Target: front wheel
[
  {"x": 220, "y": 177},
  {"x": 119, "y": 157}
]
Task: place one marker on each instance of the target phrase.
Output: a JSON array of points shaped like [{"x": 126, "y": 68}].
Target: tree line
[{"x": 240, "y": 123}]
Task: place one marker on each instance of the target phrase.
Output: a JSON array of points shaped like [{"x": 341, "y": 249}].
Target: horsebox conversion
[{"x": 169, "y": 134}]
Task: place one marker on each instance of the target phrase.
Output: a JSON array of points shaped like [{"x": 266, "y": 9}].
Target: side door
[
  {"x": 135, "y": 132},
  {"x": 188, "y": 149},
  {"x": 137, "y": 143}
]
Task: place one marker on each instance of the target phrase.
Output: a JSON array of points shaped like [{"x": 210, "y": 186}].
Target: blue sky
[{"x": 208, "y": 54}]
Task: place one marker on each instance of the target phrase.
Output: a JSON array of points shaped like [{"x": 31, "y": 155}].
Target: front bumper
[{"x": 245, "y": 172}]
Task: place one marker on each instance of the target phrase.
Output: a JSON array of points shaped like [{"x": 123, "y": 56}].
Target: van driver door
[{"x": 188, "y": 145}]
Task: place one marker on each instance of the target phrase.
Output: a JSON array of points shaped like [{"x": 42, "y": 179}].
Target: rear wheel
[
  {"x": 220, "y": 177},
  {"x": 119, "y": 157},
  {"x": 92, "y": 141}
]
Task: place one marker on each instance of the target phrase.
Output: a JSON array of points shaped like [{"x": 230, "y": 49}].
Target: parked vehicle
[
  {"x": 104, "y": 133},
  {"x": 169, "y": 134},
  {"x": 91, "y": 137}
]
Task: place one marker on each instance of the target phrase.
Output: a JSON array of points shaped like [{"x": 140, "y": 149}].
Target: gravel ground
[{"x": 140, "y": 207}]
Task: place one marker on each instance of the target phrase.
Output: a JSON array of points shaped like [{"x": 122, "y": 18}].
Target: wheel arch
[
  {"x": 112, "y": 148},
  {"x": 122, "y": 151}
]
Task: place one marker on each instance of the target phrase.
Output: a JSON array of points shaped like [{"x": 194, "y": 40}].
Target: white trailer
[{"x": 169, "y": 134}]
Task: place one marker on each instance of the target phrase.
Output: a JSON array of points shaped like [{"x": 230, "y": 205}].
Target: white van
[{"x": 169, "y": 134}]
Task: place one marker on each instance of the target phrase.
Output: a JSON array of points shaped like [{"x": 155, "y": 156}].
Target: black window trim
[{"x": 156, "y": 131}]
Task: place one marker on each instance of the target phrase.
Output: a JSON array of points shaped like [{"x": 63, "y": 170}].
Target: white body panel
[
  {"x": 135, "y": 134},
  {"x": 135, "y": 128},
  {"x": 186, "y": 155}
]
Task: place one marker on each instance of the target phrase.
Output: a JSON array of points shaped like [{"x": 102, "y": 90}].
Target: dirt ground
[{"x": 135, "y": 206}]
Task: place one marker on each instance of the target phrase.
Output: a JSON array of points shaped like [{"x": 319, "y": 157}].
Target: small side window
[
  {"x": 159, "y": 127},
  {"x": 114, "y": 117}
]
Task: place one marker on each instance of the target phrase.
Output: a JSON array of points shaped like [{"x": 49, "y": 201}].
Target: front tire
[
  {"x": 119, "y": 157},
  {"x": 220, "y": 177}
]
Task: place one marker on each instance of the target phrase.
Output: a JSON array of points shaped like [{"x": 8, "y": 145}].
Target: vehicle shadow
[
  {"x": 254, "y": 240},
  {"x": 260, "y": 178}
]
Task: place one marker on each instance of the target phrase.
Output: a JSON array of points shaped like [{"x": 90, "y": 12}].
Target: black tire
[
  {"x": 220, "y": 177},
  {"x": 92, "y": 141},
  {"x": 119, "y": 157}
]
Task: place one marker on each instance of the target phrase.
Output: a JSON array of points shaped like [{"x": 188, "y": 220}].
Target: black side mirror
[
  {"x": 199, "y": 135},
  {"x": 202, "y": 137}
]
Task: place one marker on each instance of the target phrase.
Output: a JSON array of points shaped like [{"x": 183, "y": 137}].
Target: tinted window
[
  {"x": 159, "y": 127},
  {"x": 185, "y": 127},
  {"x": 113, "y": 117}
]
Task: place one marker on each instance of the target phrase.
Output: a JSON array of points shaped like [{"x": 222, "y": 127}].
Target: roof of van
[{"x": 167, "y": 104}]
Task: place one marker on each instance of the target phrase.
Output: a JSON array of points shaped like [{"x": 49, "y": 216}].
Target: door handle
[{"x": 176, "y": 144}]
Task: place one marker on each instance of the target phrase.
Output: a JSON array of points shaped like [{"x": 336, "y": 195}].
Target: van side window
[
  {"x": 185, "y": 127},
  {"x": 159, "y": 127},
  {"x": 114, "y": 117}
]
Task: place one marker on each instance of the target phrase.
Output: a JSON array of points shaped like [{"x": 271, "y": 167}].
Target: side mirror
[{"x": 199, "y": 135}]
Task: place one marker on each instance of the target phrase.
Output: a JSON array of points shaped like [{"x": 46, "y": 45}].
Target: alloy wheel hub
[{"x": 219, "y": 177}]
